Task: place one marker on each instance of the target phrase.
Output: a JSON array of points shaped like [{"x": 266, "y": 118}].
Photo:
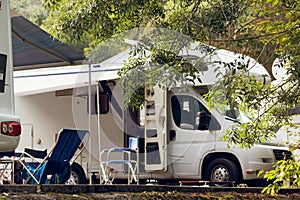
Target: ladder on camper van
[{"x": 155, "y": 128}]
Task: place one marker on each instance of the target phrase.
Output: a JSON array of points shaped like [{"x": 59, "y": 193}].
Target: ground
[{"x": 146, "y": 195}]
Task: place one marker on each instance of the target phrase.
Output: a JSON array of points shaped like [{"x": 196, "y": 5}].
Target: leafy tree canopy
[{"x": 30, "y": 9}]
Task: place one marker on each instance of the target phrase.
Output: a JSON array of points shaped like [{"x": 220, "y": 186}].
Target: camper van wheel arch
[
  {"x": 222, "y": 169},
  {"x": 77, "y": 174}
]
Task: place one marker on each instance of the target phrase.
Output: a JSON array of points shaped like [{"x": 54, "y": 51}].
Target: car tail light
[{"x": 11, "y": 128}]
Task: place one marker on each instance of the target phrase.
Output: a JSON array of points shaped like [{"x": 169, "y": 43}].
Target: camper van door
[
  {"x": 190, "y": 134},
  {"x": 155, "y": 129}
]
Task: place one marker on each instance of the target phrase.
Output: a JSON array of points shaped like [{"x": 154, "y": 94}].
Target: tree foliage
[
  {"x": 30, "y": 9},
  {"x": 276, "y": 23},
  {"x": 98, "y": 20}
]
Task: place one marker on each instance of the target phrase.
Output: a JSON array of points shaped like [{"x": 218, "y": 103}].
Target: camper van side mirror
[
  {"x": 208, "y": 122},
  {"x": 104, "y": 103},
  {"x": 204, "y": 121}
]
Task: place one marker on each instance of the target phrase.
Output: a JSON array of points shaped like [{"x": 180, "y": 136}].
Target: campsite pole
[
  {"x": 99, "y": 127},
  {"x": 89, "y": 124}
]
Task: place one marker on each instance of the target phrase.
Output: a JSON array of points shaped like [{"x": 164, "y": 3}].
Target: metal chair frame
[{"x": 108, "y": 173}]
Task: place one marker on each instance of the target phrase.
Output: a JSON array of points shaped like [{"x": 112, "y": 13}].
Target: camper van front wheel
[{"x": 223, "y": 170}]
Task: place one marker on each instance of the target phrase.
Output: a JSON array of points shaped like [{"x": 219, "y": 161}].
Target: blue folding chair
[{"x": 57, "y": 162}]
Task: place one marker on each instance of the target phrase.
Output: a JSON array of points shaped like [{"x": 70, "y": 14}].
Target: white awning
[
  {"x": 43, "y": 80},
  {"x": 35, "y": 81}
]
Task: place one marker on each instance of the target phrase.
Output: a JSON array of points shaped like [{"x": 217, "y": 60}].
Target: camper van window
[
  {"x": 189, "y": 113},
  {"x": 3, "y": 64},
  {"x": 104, "y": 104}
]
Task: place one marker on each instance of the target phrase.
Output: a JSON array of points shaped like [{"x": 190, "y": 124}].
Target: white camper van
[
  {"x": 179, "y": 137},
  {"x": 10, "y": 128}
]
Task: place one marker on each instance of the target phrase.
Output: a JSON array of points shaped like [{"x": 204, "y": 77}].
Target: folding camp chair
[
  {"x": 108, "y": 164},
  {"x": 57, "y": 162}
]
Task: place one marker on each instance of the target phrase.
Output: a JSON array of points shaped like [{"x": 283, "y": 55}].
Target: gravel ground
[{"x": 146, "y": 195}]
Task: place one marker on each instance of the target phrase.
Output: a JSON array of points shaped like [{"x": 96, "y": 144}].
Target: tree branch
[{"x": 254, "y": 37}]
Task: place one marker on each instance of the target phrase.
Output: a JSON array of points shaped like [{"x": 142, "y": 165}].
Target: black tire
[
  {"x": 222, "y": 170},
  {"x": 77, "y": 175}
]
